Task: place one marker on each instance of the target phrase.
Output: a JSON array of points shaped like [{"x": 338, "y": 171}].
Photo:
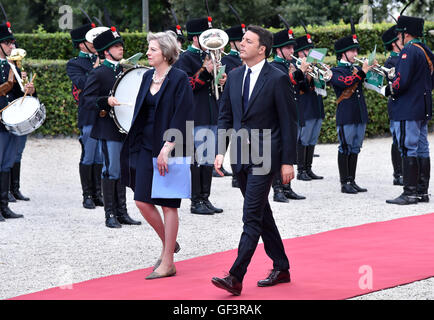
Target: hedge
[
  {"x": 54, "y": 90},
  {"x": 57, "y": 46}
]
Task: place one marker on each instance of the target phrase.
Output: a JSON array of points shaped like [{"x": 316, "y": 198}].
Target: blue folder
[{"x": 175, "y": 184}]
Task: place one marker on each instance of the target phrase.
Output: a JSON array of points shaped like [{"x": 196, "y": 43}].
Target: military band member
[
  {"x": 313, "y": 114},
  {"x": 283, "y": 45},
  {"x": 411, "y": 107},
  {"x": 9, "y": 91},
  {"x": 90, "y": 165},
  {"x": 199, "y": 68},
  {"x": 97, "y": 100},
  {"x": 179, "y": 35},
  {"x": 351, "y": 112},
  {"x": 393, "y": 45}
]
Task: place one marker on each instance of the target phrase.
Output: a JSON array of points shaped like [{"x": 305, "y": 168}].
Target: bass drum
[{"x": 125, "y": 90}]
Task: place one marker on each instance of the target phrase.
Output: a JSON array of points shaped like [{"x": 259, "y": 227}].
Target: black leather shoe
[
  {"x": 423, "y": 198},
  {"x": 9, "y": 214},
  {"x": 211, "y": 207},
  {"x": 229, "y": 283},
  {"x": 275, "y": 277},
  {"x": 88, "y": 202},
  {"x": 126, "y": 219},
  {"x": 348, "y": 188},
  {"x": 358, "y": 189},
  {"x": 279, "y": 196},
  {"x": 199, "y": 207},
  {"x": 404, "y": 199},
  {"x": 303, "y": 176},
  {"x": 313, "y": 176},
  {"x": 290, "y": 194},
  {"x": 112, "y": 222}
]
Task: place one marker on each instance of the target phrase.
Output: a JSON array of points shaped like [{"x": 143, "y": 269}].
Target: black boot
[
  {"x": 5, "y": 212},
  {"x": 290, "y": 194},
  {"x": 86, "y": 185},
  {"x": 424, "y": 175},
  {"x": 108, "y": 191},
  {"x": 15, "y": 182},
  {"x": 309, "y": 160},
  {"x": 96, "y": 185},
  {"x": 352, "y": 165},
  {"x": 279, "y": 195},
  {"x": 346, "y": 186},
  {"x": 121, "y": 205},
  {"x": 11, "y": 197},
  {"x": 397, "y": 165},
  {"x": 301, "y": 163},
  {"x": 197, "y": 204},
  {"x": 235, "y": 182},
  {"x": 410, "y": 171},
  {"x": 206, "y": 180}
]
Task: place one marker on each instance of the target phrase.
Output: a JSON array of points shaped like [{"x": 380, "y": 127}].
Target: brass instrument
[
  {"x": 214, "y": 40},
  {"x": 389, "y": 72},
  {"x": 315, "y": 72}
]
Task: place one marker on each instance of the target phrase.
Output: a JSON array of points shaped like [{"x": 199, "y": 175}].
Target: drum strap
[{"x": 8, "y": 85}]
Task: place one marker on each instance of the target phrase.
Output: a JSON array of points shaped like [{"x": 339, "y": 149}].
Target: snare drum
[
  {"x": 125, "y": 90},
  {"x": 24, "y": 116}
]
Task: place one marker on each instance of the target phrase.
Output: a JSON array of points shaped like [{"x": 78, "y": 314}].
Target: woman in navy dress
[{"x": 165, "y": 101}]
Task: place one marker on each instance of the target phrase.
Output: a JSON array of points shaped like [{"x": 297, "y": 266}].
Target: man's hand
[
  {"x": 223, "y": 79},
  {"x": 112, "y": 101},
  {"x": 287, "y": 173},
  {"x": 29, "y": 88},
  {"x": 209, "y": 65},
  {"x": 304, "y": 65},
  {"x": 218, "y": 162}
]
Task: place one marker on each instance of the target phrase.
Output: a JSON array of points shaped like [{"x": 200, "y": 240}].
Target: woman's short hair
[{"x": 168, "y": 44}]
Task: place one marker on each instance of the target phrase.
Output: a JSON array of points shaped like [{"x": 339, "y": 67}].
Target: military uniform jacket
[
  {"x": 201, "y": 81},
  {"x": 13, "y": 94},
  {"x": 413, "y": 84},
  {"x": 295, "y": 79},
  {"x": 352, "y": 110},
  {"x": 78, "y": 69},
  {"x": 95, "y": 100},
  {"x": 231, "y": 61},
  {"x": 311, "y": 103},
  {"x": 391, "y": 63}
]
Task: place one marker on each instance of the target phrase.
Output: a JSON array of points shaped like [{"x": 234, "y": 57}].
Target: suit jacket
[
  {"x": 413, "y": 85},
  {"x": 78, "y": 69},
  {"x": 231, "y": 61},
  {"x": 270, "y": 107},
  {"x": 172, "y": 111},
  {"x": 98, "y": 86}
]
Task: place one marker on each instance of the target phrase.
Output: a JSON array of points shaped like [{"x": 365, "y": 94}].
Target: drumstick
[
  {"x": 125, "y": 104},
  {"x": 25, "y": 93},
  {"x": 5, "y": 107}
]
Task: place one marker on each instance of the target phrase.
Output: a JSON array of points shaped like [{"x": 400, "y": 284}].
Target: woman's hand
[{"x": 163, "y": 158}]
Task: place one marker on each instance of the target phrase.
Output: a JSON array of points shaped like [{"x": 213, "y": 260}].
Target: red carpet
[{"x": 329, "y": 265}]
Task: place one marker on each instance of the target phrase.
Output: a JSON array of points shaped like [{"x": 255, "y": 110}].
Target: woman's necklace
[{"x": 160, "y": 80}]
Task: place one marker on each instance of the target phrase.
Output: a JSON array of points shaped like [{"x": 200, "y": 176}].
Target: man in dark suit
[{"x": 257, "y": 100}]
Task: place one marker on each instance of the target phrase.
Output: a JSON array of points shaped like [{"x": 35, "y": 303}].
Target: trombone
[
  {"x": 315, "y": 72},
  {"x": 389, "y": 72}
]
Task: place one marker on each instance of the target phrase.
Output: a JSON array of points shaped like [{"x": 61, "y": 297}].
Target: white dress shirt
[{"x": 256, "y": 70}]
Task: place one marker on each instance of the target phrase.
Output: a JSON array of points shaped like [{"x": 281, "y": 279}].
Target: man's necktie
[{"x": 246, "y": 89}]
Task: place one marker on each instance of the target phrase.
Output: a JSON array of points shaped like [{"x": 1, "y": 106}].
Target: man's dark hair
[{"x": 265, "y": 38}]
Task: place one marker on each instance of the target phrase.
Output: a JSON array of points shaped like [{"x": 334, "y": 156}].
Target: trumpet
[
  {"x": 389, "y": 72},
  {"x": 315, "y": 72},
  {"x": 214, "y": 40}
]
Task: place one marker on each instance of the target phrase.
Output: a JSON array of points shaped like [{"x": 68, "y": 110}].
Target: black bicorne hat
[
  {"x": 389, "y": 36},
  {"x": 283, "y": 38},
  {"x": 347, "y": 43},
  {"x": 410, "y": 25},
  {"x": 304, "y": 42},
  {"x": 107, "y": 39},
  {"x": 178, "y": 30},
  {"x": 235, "y": 33},
  {"x": 196, "y": 26},
  {"x": 6, "y": 32},
  {"x": 78, "y": 35}
]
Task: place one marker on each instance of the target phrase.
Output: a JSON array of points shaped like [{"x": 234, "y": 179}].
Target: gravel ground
[{"x": 59, "y": 242}]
